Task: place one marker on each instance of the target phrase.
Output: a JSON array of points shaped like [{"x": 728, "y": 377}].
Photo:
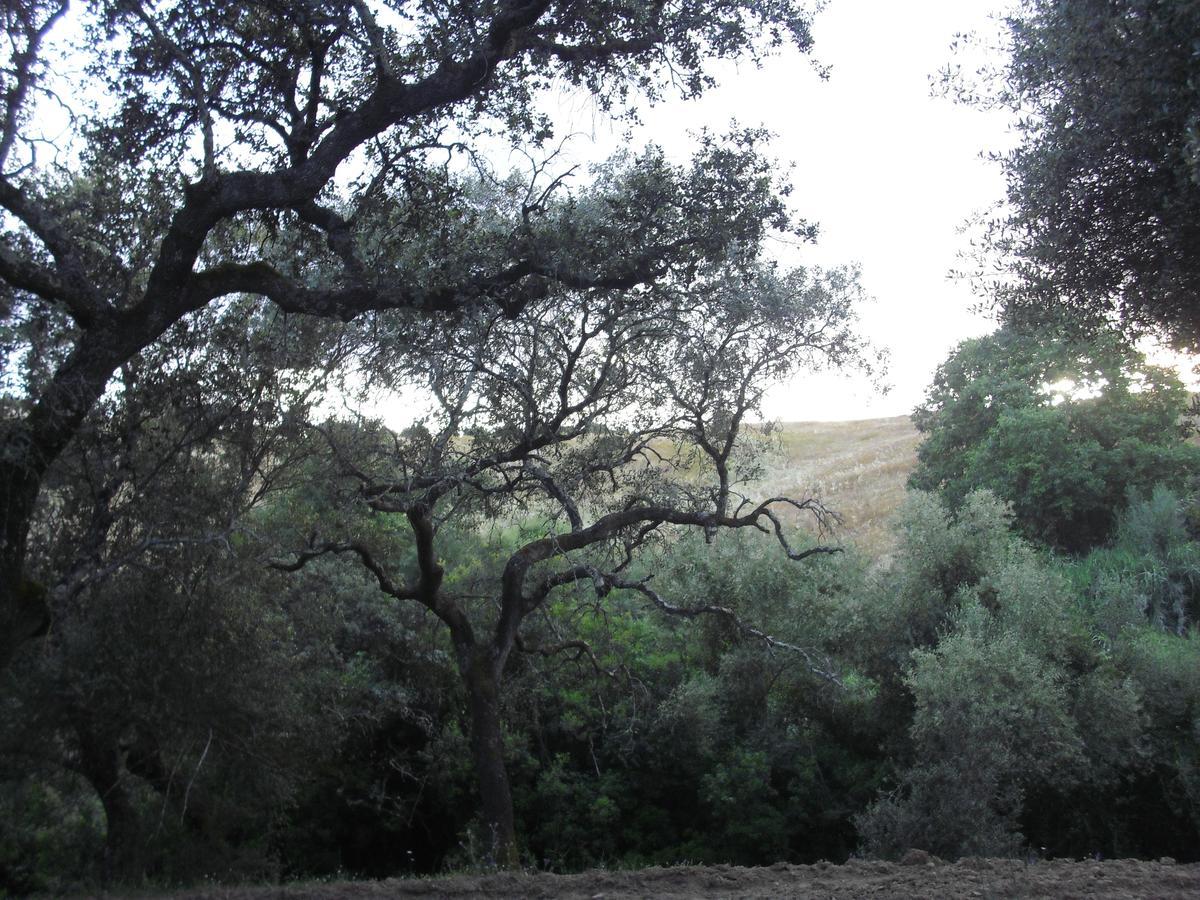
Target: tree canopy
[
  {"x": 1103, "y": 214},
  {"x": 250, "y": 201},
  {"x": 1061, "y": 428},
  {"x": 286, "y": 631},
  {"x": 317, "y": 155}
]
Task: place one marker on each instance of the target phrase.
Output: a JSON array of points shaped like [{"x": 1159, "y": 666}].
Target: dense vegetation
[
  {"x": 1102, "y": 187},
  {"x": 250, "y": 630},
  {"x": 1060, "y": 427},
  {"x": 975, "y": 697}
]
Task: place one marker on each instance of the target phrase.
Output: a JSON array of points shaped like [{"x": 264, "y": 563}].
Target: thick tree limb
[
  {"x": 609, "y": 525},
  {"x": 555, "y": 490},
  {"x": 516, "y": 603},
  {"x": 76, "y": 285},
  {"x": 26, "y": 275}
]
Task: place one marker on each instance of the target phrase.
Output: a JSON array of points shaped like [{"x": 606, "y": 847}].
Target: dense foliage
[
  {"x": 250, "y": 631},
  {"x": 232, "y": 181},
  {"x": 974, "y": 697},
  {"x": 1103, "y": 187},
  {"x": 1062, "y": 428},
  {"x": 330, "y": 158}
]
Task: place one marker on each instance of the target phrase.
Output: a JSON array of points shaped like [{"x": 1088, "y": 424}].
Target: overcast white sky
[{"x": 887, "y": 170}]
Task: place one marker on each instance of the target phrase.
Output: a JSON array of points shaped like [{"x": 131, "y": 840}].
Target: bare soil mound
[{"x": 967, "y": 878}]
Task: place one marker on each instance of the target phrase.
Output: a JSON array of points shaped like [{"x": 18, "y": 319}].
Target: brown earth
[{"x": 967, "y": 878}]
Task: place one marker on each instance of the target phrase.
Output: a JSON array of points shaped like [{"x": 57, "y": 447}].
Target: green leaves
[
  {"x": 1065, "y": 460},
  {"x": 1103, "y": 188}
]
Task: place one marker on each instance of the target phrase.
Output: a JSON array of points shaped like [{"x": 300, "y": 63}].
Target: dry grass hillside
[{"x": 857, "y": 468}]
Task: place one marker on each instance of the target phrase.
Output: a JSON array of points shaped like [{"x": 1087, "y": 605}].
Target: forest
[{"x": 373, "y": 510}]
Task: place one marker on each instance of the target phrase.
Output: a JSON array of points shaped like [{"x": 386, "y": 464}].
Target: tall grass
[{"x": 858, "y": 469}]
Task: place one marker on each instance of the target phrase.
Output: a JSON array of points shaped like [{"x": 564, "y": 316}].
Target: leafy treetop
[
  {"x": 1104, "y": 187},
  {"x": 1059, "y": 427}
]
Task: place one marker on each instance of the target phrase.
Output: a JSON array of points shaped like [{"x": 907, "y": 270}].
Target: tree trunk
[
  {"x": 487, "y": 747},
  {"x": 24, "y": 614},
  {"x": 100, "y": 763},
  {"x": 144, "y": 759},
  {"x": 23, "y": 610},
  {"x": 29, "y": 445},
  {"x": 122, "y": 864}
]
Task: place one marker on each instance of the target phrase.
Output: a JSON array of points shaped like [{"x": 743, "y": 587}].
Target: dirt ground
[{"x": 917, "y": 878}]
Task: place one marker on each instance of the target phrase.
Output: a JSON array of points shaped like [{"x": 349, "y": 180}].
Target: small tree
[
  {"x": 1016, "y": 717},
  {"x": 592, "y": 426}
]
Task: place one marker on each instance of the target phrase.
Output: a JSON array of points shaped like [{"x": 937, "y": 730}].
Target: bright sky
[{"x": 888, "y": 171}]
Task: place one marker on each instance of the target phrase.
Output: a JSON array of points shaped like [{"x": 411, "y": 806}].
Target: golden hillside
[{"x": 857, "y": 468}]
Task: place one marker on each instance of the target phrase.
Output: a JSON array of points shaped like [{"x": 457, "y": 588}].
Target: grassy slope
[{"x": 858, "y": 469}]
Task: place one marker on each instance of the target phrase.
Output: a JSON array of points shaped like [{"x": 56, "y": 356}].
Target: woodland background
[{"x": 581, "y": 607}]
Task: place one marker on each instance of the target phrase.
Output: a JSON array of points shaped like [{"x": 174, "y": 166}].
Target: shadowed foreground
[{"x": 967, "y": 878}]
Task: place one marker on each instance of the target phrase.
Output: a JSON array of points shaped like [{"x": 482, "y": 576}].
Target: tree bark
[
  {"x": 487, "y": 747},
  {"x": 144, "y": 759},
  {"x": 24, "y": 614},
  {"x": 101, "y": 764}
]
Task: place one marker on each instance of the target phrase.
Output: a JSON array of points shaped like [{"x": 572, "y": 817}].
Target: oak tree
[
  {"x": 186, "y": 152},
  {"x": 591, "y": 427},
  {"x": 1104, "y": 185},
  {"x": 1062, "y": 428}
]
